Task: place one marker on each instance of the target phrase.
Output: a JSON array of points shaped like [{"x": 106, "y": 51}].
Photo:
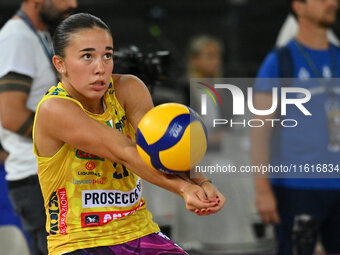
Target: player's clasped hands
[{"x": 204, "y": 200}]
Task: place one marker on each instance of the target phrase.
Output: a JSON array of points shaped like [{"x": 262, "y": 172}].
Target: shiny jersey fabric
[{"x": 91, "y": 201}]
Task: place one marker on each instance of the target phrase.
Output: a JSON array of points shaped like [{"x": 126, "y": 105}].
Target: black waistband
[{"x": 31, "y": 180}]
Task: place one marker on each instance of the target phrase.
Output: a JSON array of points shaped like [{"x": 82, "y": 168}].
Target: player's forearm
[{"x": 198, "y": 177}]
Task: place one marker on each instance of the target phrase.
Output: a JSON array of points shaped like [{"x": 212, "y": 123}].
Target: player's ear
[{"x": 58, "y": 63}]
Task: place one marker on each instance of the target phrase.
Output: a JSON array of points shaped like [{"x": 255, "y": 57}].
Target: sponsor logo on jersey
[
  {"x": 90, "y": 181},
  {"x": 64, "y": 209},
  {"x": 57, "y": 210},
  {"x": 89, "y": 173},
  {"x": 92, "y": 219},
  {"x": 87, "y": 156},
  {"x": 117, "y": 198},
  {"x": 90, "y": 165},
  {"x": 101, "y": 218},
  {"x": 53, "y": 212}
]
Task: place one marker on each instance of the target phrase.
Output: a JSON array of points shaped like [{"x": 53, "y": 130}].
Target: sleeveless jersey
[{"x": 91, "y": 201}]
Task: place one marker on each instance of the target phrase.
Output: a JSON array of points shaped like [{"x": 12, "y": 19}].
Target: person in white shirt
[{"x": 26, "y": 73}]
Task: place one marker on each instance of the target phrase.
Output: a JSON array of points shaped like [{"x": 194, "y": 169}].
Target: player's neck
[
  {"x": 312, "y": 36},
  {"x": 94, "y": 105},
  {"x": 32, "y": 9}
]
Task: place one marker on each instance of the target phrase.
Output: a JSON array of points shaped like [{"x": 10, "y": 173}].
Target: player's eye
[
  {"x": 108, "y": 56},
  {"x": 86, "y": 56}
]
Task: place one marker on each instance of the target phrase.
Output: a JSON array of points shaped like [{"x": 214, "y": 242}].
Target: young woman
[{"x": 89, "y": 168}]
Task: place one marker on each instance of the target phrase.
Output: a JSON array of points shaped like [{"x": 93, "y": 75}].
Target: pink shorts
[{"x": 153, "y": 244}]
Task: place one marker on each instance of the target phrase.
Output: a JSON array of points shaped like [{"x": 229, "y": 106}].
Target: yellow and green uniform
[{"x": 91, "y": 201}]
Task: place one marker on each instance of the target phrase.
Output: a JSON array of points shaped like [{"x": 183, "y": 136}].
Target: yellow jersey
[{"x": 91, "y": 201}]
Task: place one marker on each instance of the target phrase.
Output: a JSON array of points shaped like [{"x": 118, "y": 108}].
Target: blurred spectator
[
  {"x": 313, "y": 141},
  {"x": 26, "y": 73},
  {"x": 204, "y": 60},
  {"x": 290, "y": 29},
  {"x": 204, "y": 57}
]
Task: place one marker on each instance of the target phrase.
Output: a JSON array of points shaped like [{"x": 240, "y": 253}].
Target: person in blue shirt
[{"x": 313, "y": 142}]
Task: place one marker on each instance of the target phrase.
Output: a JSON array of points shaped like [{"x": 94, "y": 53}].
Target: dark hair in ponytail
[{"x": 71, "y": 25}]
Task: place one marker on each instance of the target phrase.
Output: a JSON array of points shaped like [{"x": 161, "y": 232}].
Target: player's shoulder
[
  {"x": 57, "y": 91},
  {"x": 129, "y": 88},
  {"x": 126, "y": 81},
  {"x": 57, "y": 106},
  {"x": 126, "y": 85},
  {"x": 55, "y": 98}
]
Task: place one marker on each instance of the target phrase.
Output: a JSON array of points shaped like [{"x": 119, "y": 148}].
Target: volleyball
[{"x": 171, "y": 138}]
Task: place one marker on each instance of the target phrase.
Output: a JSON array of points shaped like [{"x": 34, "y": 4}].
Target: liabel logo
[{"x": 286, "y": 97}]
